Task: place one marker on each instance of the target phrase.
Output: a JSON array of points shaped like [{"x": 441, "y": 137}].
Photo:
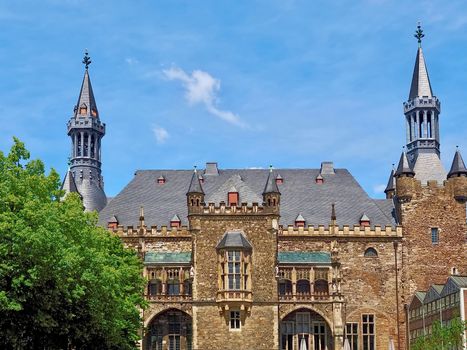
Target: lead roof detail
[{"x": 299, "y": 194}]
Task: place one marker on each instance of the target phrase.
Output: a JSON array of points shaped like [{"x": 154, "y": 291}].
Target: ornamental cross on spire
[
  {"x": 419, "y": 34},
  {"x": 86, "y": 60}
]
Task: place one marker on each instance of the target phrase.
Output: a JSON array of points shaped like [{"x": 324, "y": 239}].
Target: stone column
[
  {"x": 82, "y": 144},
  {"x": 338, "y": 326},
  {"x": 89, "y": 145},
  {"x": 425, "y": 124},
  {"x": 407, "y": 123}
]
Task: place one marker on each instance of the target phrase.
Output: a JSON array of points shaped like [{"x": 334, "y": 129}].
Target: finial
[
  {"x": 87, "y": 59},
  {"x": 393, "y": 166},
  {"x": 457, "y": 147},
  {"x": 194, "y": 168},
  {"x": 419, "y": 34},
  {"x": 270, "y": 168}
]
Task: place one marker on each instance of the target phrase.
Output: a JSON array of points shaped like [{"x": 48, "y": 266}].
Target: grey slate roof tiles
[
  {"x": 420, "y": 81},
  {"x": 299, "y": 194},
  {"x": 458, "y": 166},
  {"x": 86, "y": 96},
  {"x": 404, "y": 167},
  {"x": 234, "y": 239}
]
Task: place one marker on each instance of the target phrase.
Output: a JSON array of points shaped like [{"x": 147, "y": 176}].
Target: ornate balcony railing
[
  {"x": 234, "y": 295},
  {"x": 168, "y": 298},
  {"x": 306, "y": 297}
]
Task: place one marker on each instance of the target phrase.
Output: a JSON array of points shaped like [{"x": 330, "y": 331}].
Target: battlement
[
  {"x": 85, "y": 122},
  {"x": 242, "y": 209},
  {"x": 345, "y": 230},
  {"x": 422, "y": 102},
  {"x": 153, "y": 231}
]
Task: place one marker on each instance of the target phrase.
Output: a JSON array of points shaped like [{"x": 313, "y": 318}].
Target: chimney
[{"x": 211, "y": 169}]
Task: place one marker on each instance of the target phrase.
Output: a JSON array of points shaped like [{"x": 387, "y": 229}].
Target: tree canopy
[
  {"x": 65, "y": 283},
  {"x": 448, "y": 336}
]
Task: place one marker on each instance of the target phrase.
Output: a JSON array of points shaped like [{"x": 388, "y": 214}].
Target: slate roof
[
  {"x": 69, "y": 184},
  {"x": 420, "y": 81},
  {"x": 304, "y": 257},
  {"x": 167, "y": 258},
  {"x": 234, "y": 239},
  {"x": 458, "y": 166},
  {"x": 391, "y": 186},
  {"x": 428, "y": 166},
  {"x": 403, "y": 168},
  {"x": 86, "y": 96},
  {"x": 299, "y": 194}
]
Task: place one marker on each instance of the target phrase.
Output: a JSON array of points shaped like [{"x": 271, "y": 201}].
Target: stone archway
[
  {"x": 305, "y": 329},
  {"x": 169, "y": 330}
]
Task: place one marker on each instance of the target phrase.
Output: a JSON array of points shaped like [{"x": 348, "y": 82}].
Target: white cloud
[
  {"x": 131, "y": 61},
  {"x": 379, "y": 188},
  {"x": 201, "y": 87},
  {"x": 161, "y": 134}
]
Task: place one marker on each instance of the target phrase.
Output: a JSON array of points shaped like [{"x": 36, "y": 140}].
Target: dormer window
[
  {"x": 233, "y": 198},
  {"x": 300, "y": 221},
  {"x": 83, "y": 109},
  {"x": 319, "y": 179},
  {"x": 279, "y": 179},
  {"x": 364, "y": 221},
  {"x": 161, "y": 180},
  {"x": 112, "y": 224},
  {"x": 175, "y": 222}
]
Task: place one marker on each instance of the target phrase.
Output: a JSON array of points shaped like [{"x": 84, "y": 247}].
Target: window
[
  {"x": 233, "y": 198},
  {"x": 234, "y": 275},
  {"x": 303, "y": 287},
  {"x": 174, "y": 332},
  {"x": 351, "y": 333},
  {"x": 187, "y": 287},
  {"x": 288, "y": 331},
  {"x": 155, "y": 287},
  {"x": 285, "y": 287},
  {"x": 370, "y": 253},
  {"x": 321, "y": 287},
  {"x": 234, "y": 319},
  {"x": 434, "y": 235},
  {"x": 173, "y": 287},
  {"x": 368, "y": 332}
]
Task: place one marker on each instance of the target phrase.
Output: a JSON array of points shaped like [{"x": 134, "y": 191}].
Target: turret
[
  {"x": 422, "y": 111},
  {"x": 271, "y": 194},
  {"x": 390, "y": 190},
  {"x": 86, "y": 131},
  {"x": 457, "y": 176},
  {"x": 405, "y": 182},
  {"x": 195, "y": 194}
]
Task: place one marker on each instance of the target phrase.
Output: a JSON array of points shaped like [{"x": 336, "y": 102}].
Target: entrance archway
[
  {"x": 304, "y": 329},
  {"x": 169, "y": 330}
]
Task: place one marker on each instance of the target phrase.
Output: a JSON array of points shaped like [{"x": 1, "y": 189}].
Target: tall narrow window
[
  {"x": 173, "y": 287},
  {"x": 434, "y": 235},
  {"x": 368, "y": 332},
  {"x": 234, "y": 276},
  {"x": 351, "y": 333},
  {"x": 174, "y": 332},
  {"x": 234, "y": 319},
  {"x": 287, "y": 337}
]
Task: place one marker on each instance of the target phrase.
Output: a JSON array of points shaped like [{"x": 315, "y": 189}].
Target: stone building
[{"x": 290, "y": 259}]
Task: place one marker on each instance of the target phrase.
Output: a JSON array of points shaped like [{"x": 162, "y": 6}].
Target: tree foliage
[
  {"x": 64, "y": 282},
  {"x": 442, "y": 336}
]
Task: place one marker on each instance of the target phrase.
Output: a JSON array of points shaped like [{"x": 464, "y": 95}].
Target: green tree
[
  {"x": 65, "y": 283},
  {"x": 442, "y": 336}
]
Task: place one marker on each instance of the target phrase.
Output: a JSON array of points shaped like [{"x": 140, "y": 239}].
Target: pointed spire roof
[
  {"x": 458, "y": 166},
  {"x": 271, "y": 185},
  {"x": 86, "y": 95},
  {"x": 69, "y": 184},
  {"x": 364, "y": 217},
  {"x": 195, "y": 184},
  {"x": 404, "y": 168},
  {"x": 175, "y": 218},
  {"x": 420, "y": 81},
  {"x": 300, "y": 218},
  {"x": 391, "y": 186}
]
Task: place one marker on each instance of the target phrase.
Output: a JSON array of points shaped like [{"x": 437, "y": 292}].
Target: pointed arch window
[{"x": 371, "y": 253}]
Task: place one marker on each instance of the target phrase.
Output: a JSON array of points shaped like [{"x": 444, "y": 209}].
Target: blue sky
[{"x": 243, "y": 83}]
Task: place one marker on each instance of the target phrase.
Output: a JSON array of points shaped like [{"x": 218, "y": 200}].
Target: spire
[
  {"x": 420, "y": 81},
  {"x": 195, "y": 184},
  {"x": 271, "y": 185},
  {"x": 404, "y": 168},
  {"x": 458, "y": 166},
  {"x": 69, "y": 184},
  {"x": 391, "y": 182},
  {"x": 86, "y": 102}
]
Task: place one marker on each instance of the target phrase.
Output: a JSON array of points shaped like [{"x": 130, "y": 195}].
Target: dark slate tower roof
[
  {"x": 299, "y": 194},
  {"x": 86, "y": 97},
  {"x": 404, "y": 168},
  {"x": 234, "y": 239},
  {"x": 271, "y": 185},
  {"x": 420, "y": 81},
  {"x": 391, "y": 186},
  {"x": 195, "y": 184},
  {"x": 69, "y": 184},
  {"x": 458, "y": 166}
]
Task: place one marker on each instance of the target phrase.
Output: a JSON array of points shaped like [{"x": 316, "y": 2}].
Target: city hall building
[{"x": 289, "y": 259}]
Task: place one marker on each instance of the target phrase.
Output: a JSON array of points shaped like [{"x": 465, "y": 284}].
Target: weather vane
[
  {"x": 419, "y": 34},
  {"x": 86, "y": 60}
]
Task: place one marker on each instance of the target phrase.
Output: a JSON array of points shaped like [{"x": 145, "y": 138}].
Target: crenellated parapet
[
  {"x": 153, "y": 231},
  {"x": 342, "y": 231},
  {"x": 243, "y": 209}
]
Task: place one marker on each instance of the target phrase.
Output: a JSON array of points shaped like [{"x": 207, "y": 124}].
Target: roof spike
[
  {"x": 404, "y": 168},
  {"x": 86, "y": 105},
  {"x": 420, "y": 80},
  {"x": 141, "y": 216},
  {"x": 391, "y": 186},
  {"x": 195, "y": 183},
  {"x": 86, "y": 59},
  {"x": 271, "y": 185},
  {"x": 333, "y": 212},
  {"x": 458, "y": 166}
]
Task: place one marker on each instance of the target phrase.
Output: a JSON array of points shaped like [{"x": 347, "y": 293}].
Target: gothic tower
[
  {"x": 86, "y": 131},
  {"x": 422, "y": 111}
]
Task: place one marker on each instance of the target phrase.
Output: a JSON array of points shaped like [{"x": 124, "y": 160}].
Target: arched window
[
  {"x": 371, "y": 253},
  {"x": 187, "y": 287},
  {"x": 321, "y": 287},
  {"x": 285, "y": 287},
  {"x": 303, "y": 287},
  {"x": 173, "y": 287},
  {"x": 155, "y": 287}
]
